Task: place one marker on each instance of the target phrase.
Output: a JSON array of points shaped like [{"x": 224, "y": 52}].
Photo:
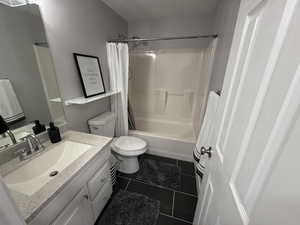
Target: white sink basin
[{"x": 31, "y": 177}]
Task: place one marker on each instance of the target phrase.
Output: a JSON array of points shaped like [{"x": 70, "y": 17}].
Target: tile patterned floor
[{"x": 177, "y": 206}]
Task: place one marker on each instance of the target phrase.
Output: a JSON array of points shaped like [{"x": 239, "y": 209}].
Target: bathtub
[{"x": 166, "y": 138}]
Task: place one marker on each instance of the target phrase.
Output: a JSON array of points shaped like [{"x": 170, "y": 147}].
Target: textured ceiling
[{"x": 133, "y": 10}]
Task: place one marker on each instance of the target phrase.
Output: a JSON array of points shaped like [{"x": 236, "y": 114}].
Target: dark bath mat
[
  {"x": 127, "y": 208},
  {"x": 158, "y": 173}
]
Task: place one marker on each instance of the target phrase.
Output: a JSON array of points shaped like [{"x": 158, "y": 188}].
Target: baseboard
[{"x": 169, "y": 154}]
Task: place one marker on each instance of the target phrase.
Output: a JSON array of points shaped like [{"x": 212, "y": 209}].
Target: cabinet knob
[{"x": 207, "y": 151}]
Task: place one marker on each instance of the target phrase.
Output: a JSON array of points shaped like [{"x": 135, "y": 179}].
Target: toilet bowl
[{"x": 125, "y": 148}]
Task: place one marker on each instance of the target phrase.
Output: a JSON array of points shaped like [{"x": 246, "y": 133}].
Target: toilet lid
[{"x": 129, "y": 144}]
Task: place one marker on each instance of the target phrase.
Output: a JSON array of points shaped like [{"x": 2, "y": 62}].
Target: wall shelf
[
  {"x": 57, "y": 100},
  {"x": 83, "y": 100}
]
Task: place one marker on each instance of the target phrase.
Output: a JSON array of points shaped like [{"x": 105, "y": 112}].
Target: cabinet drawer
[
  {"x": 102, "y": 198},
  {"x": 98, "y": 180}
]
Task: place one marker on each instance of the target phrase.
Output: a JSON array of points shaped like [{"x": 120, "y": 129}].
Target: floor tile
[
  {"x": 166, "y": 220},
  {"x": 121, "y": 184},
  {"x": 160, "y": 158},
  {"x": 188, "y": 185},
  {"x": 124, "y": 175},
  {"x": 184, "y": 206},
  {"x": 186, "y": 167},
  {"x": 158, "y": 173},
  {"x": 164, "y": 196}
]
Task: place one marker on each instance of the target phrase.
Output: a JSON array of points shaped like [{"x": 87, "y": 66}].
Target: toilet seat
[{"x": 129, "y": 146}]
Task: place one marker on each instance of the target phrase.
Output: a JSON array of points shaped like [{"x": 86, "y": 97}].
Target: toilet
[{"x": 125, "y": 148}]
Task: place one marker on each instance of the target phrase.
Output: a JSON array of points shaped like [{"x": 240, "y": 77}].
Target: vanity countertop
[{"x": 30, "y": 206}]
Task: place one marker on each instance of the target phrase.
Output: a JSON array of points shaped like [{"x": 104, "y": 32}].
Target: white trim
[
  {"x": 240, "y": 207},
  {"x": 275, "y": 52},
  {"x": 284, "y": 122},
  {"x": 219, "y": 154},
  {"x": 278, "y": 43},
  {"x": 256, "y": 13},
  {"x": 227, "y": 101},
  {"x": 218, "y": 222},
  {"x": 210, "y": 187}
]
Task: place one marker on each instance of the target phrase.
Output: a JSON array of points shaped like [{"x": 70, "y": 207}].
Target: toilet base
[{"x": 129, "y": 164}]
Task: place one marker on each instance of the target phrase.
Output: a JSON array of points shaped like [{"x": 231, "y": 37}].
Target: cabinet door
[{"x": 78, "y": 212}]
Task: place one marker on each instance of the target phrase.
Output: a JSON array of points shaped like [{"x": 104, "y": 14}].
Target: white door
[{"x": 252, "y": 176}]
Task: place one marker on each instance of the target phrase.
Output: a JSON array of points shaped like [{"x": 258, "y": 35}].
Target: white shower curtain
[{"x": 118, "y": 63}]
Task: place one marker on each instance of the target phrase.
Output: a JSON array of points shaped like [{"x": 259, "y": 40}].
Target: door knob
[{"x": 207, "y": 151}]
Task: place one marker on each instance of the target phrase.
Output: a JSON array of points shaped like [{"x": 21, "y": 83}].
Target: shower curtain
[{"x": 118, "y": 63}]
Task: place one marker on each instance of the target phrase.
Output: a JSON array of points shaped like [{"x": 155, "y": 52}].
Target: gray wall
[
  {"x": 18, "y": 32},
  {"x": 173, "y": 27},
  {"x": 225, "y": 21},
  {"x": 82, "y": 27}
]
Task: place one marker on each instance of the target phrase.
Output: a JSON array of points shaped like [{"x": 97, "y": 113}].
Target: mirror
[{"x": 28, "y": 85}]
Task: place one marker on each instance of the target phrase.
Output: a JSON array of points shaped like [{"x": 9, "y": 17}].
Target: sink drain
[{"x": 53, "y": 173}]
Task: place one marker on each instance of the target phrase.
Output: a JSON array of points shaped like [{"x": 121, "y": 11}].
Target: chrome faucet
[
  {"x": 12, "y": 136},
  {"x": 34, "y": 146},
  {"x": 34, "y": 143}
]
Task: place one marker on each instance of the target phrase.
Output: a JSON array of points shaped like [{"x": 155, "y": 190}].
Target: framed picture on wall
[{"x": 90, "y": 74}]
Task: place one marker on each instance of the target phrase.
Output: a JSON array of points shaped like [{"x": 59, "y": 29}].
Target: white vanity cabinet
[
  {"x": 83, "y": 198},
  {"x": 78, "y": 212}
]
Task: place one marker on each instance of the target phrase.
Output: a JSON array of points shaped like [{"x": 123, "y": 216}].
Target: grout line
[
  {"x": 187, "y": 174},
  {"x": 173, "y": 217},
  {"x": 191, "y": 195},
  {"x": 173, "y": 203},
  {"x": 168, "y": 189},
  {"x": 129, "y": 180}
]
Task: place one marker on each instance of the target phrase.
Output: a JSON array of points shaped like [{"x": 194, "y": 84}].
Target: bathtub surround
[
  {"x": 129, "y": 208},
  {"x": 168, "y": 90},
  {"x": 208, "y": 59},
  {"x": 83, "y": 27},
  {"x": 177, "y": 148}
]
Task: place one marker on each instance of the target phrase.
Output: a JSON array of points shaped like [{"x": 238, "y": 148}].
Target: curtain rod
[{"x": 164, "y": 38}]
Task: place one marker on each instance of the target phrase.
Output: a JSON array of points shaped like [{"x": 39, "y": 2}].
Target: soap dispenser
[
  {"x": 53, "y": 133},
  {"x": 38, "y": 128}
]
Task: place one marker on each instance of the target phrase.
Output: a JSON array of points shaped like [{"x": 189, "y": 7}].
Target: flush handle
[{"x": 207, "y": 151}]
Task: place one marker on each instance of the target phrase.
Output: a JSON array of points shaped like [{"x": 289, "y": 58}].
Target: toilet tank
[{"x": 103, "y": 125}]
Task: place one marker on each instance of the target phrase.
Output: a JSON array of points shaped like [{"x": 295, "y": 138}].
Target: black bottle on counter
[
  {"x": 53, "y": 133},
  {"x": 38, "y": 128}
]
